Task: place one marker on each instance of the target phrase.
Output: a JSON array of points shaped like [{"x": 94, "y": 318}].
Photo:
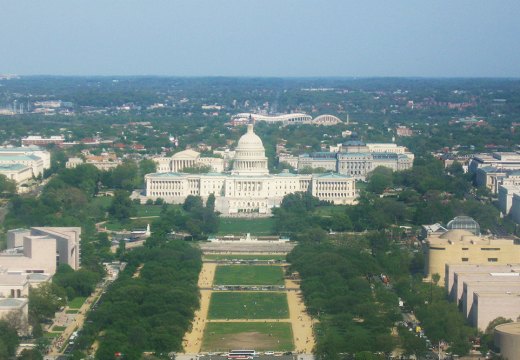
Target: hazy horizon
[{"x": 262, "y": 39}]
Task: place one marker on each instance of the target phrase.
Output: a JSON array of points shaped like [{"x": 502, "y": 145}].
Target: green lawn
[
  {"x": 260, "y": 336},
  {"x": 248, "y": 305},
  {"x": 148, "y": 210},
  {"x": 244, "y": 257},
  {"x": 76, "y": 302},
  {"x": 57, "y": 328},
  {"x": 75, "y": 311},
  {"x": 154, "y": 210},
  {"x": 248, "y": 275},
  {"x": 361, "y": 185},
  {"x": 260, "y": 226},
  {"x": 50, "y": 335},
  {"x": 103, "y": 201},
  {"x": 329, "y": 211}
]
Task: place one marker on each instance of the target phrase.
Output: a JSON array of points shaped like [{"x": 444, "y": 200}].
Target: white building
[
  {"x": 32, "y": 157},
  {"x": 40, "y": 249},
  {"x": 39, "y": 140},
  {"x": 187, "y": 159},
  {"x": 499, "y": 160},
  {"x": 354, "y": 158},
  {"x": 505, "y": 197},
  {"x": 485, "y": 292},
  {"x": 17, "y": 305},
  {"x": 282, "y": 119},
  {"x": 104, "y": 162},
  {"x": 19, "y": 173},
  {"x": 248, "y": 188},
  {"x": 286, "y": 119},
  {"x": 14, "y": 285}
]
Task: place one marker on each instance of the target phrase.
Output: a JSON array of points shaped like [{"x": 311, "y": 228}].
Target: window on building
[
  {"x": 465, "y": 248},
  {"x": 465, "y": 259},
  {"x": 492, "y": 259}
]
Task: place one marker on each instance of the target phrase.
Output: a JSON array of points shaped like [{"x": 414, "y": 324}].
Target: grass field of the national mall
[
  {"x": 261, "y": 336},
  {"x": 248, "y": 275},
  {"x": 248, "y": 305}
]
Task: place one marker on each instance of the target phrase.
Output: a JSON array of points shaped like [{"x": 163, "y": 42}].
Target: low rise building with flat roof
[
  {"x": 452, "y": 269},
  {"x": 19, "y": 173},
  {"x": 462, "y": 277},
  {"x": 505, "y": 197},
  {"x": 42, "y": 249},
  {"x": 13, "y": 285},
  {"x": 460, "y": 246},
  {"x": 490, "y": 305},
  {"x": 488, "y": 285},
  {"x": 38, "y": 255},
  {"x": 67, "y": 243},
  {"x": 20, "y": 306},
  {"x": 26, "y": 156},
  {"x": 40, "y": 140},
  {"x": 499, "y": 160},
  {"x": 15, "y": 237}
]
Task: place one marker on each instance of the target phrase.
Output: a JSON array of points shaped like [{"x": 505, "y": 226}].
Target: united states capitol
[{"x": 248, "y": 189}]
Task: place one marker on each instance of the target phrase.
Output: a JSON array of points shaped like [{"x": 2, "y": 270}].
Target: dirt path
[
  {"x": 79, "y": 319},
  {"x": 248, "y": 320},
  {"x": 302, "y": 324},
  {"x": 193, "y": 339},
  {"x": 138, "y": 271}
]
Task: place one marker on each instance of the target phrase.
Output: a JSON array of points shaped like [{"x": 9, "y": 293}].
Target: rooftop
[
  {"x": 12, "y": 279},
  {"x": 12, "y": 167},
  {"x": 20, "y": 149},
  {"x": 510, "y": 328},
  {"x": 12, "y": 303}
]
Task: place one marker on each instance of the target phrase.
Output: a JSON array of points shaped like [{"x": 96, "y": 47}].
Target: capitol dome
[
  {"x": 250, "y": 156},
  {"x": 250, "y": 141}
]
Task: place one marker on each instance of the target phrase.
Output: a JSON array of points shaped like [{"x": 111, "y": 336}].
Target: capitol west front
[{"x": 249, "y": 188}]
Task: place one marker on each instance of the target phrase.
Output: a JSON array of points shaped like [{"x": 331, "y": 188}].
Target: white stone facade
[
  {"x": 355, "y": 159},
  {"x": 11, "y": 153},
  {"x": 248, "y": 188},
  {"x": 187, "y": 159},
  {"x": 499, "y": 160},
  {"x": 41, "y": 249}
]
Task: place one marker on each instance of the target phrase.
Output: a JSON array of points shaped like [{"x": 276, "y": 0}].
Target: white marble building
[
  {"x": 249, "y": 188},
  {"x": 187, "y": 159},
  {"x": 354, "y": 158}
]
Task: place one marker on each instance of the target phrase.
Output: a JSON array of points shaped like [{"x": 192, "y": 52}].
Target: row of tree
[
  {"x": 356, "y": 313},
  {"x": 425, "y": 194},
  {"x": 150, "y": 306}
]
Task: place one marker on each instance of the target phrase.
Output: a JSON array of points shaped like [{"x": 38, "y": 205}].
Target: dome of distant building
[
  {"x": 465, "y": 223},
  {"x": 250, "y": 141},
  {"x": 250, "y": 155}
]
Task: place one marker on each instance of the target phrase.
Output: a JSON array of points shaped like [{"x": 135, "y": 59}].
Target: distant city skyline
[{"x": 268, "y": 38}]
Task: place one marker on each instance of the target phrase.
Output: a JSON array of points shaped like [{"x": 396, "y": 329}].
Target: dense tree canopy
[{"x": 151, "y": 311}]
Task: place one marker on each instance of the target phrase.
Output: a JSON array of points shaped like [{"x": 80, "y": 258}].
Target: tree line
[{"x": 148, "y": 309}]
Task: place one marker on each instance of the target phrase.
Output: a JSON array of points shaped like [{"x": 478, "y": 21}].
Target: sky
[{"x": 280, "y": 38}]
